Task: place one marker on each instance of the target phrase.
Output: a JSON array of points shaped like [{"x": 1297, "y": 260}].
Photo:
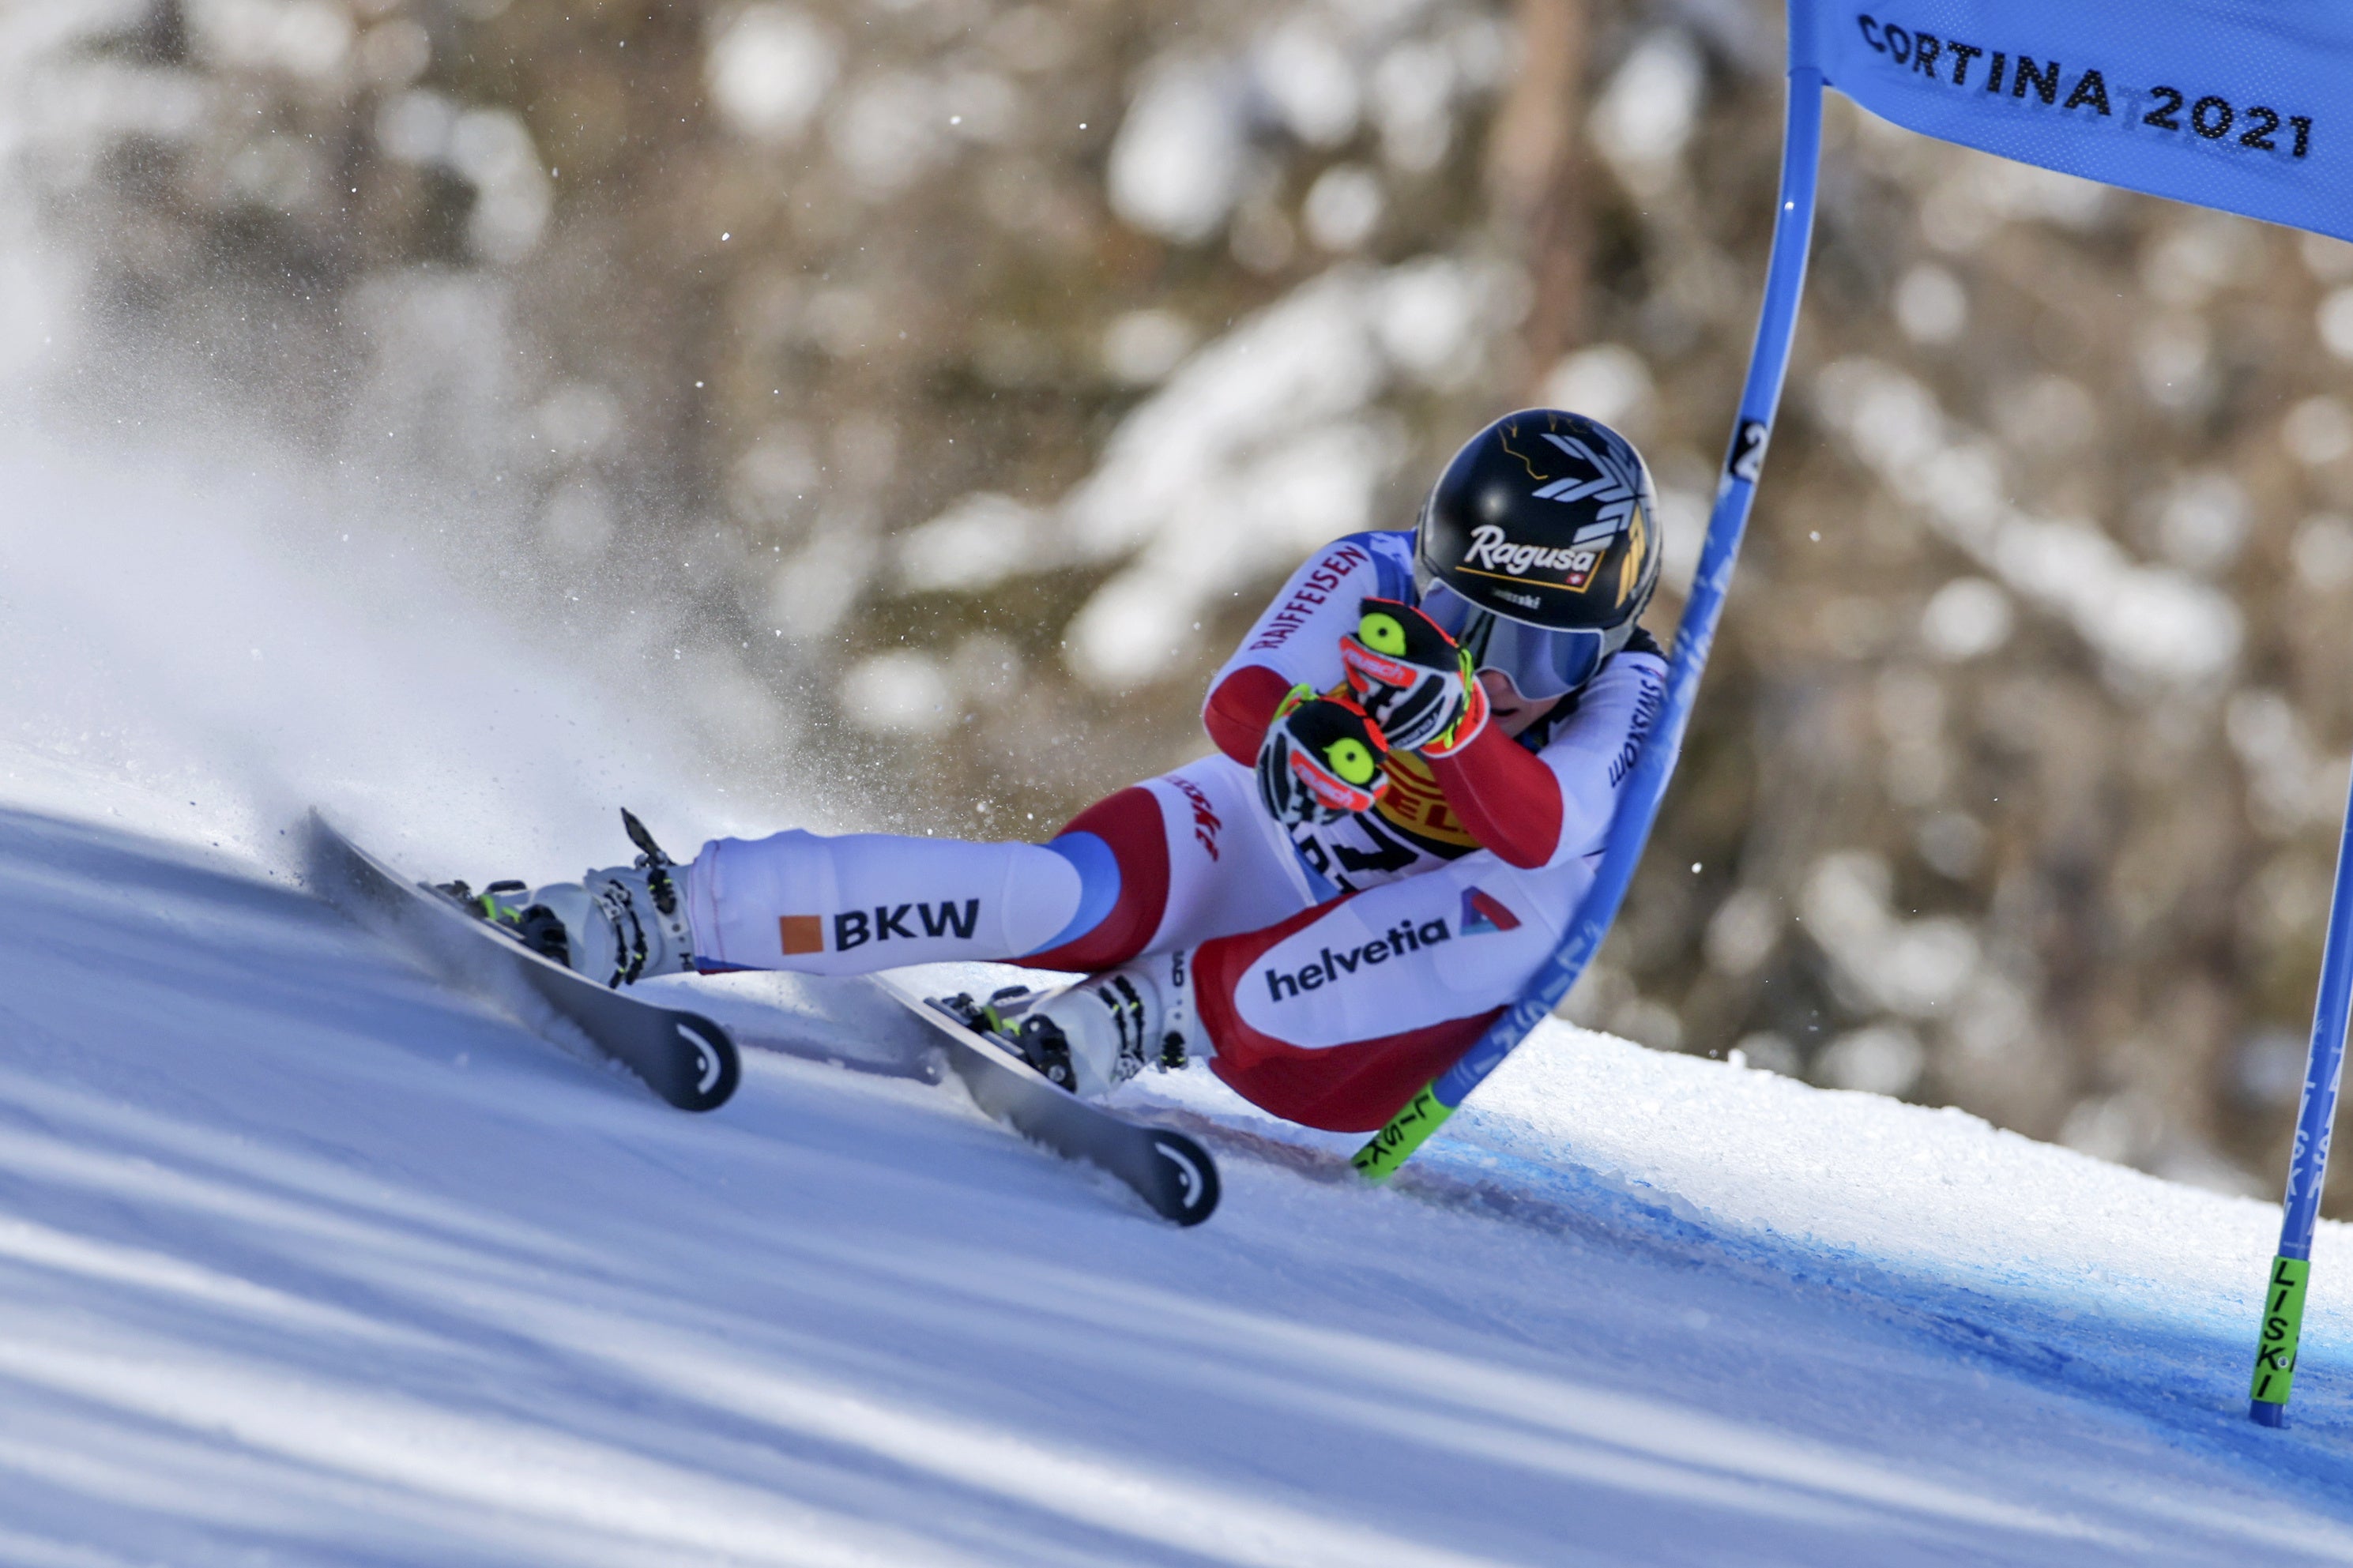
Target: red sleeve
[
  {"x": 1505, "y": 796},
  {"x": 1241, "y": 707}
]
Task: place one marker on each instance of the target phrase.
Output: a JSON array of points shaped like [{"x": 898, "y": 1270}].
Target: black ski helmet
[{"x": 1548, "y": 519}]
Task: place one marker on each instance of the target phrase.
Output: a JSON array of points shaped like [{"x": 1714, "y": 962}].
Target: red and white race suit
[{"x": 1335, "y": 969}]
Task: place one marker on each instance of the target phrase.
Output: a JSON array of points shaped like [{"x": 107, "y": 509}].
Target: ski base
[
  {"x": 682, "y": 1056},
  {"x": 1171, "y": 1172}
]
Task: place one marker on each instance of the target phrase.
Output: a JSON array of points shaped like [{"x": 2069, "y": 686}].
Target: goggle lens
[{"x": 1542, "y": 663}]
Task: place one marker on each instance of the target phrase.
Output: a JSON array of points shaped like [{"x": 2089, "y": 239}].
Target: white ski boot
[
  {"x": 1092, "y": 1036},
  {"x": 616, "y": 926}
]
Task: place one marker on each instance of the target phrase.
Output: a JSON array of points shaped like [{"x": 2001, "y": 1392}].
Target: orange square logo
[{"x": 801, "y": 933}]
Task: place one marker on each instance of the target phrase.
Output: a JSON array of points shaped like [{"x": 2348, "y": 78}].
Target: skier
[{"x": 1419, "y": 746}]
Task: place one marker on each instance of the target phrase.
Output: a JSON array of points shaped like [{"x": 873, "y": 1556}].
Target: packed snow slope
[{"x": 305, "y": 1258}]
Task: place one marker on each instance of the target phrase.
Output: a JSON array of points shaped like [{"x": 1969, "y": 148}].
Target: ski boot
[
  {"x": 616, "y": 926},
  {"x": 1092, "y": 1036}
]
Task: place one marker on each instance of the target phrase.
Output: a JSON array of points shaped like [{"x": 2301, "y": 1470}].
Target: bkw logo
[{"x": 856, "y": 928}]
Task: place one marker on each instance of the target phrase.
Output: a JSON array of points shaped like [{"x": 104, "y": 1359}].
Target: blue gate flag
[
  {"x": 1654, "y": 764},
  {"x": 2242, "y": 105}
]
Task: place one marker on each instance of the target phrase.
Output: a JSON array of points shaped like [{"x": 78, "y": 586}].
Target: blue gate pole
[
  {"x": 1630, "y": 830},
  {"x": 2283, "y": 1323}
]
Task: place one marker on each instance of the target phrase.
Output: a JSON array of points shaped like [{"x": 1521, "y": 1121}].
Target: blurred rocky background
[{"x": 945, "y": 383}]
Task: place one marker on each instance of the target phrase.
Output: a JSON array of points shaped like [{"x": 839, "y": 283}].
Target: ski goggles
[{"x": 1541, "y": 662}]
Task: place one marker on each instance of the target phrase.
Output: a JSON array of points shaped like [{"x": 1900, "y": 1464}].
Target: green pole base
[
  {"x": 2275, "y": 1349},
  {"x": 1393, "y": 1145}
]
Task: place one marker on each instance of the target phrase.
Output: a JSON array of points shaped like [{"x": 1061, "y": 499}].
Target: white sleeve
[
  {"x": 1298, "y": 634},
  {"x": 1593, "y": 753}
]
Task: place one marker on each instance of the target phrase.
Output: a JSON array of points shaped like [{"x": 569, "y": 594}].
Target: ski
[
  {"x": 1167, "y": 1170},
  {"x": 682, "y": 1056},
  {"x": 690, "y": 1061}
]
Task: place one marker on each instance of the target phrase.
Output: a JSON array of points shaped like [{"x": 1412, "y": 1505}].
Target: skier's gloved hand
[
  {"x": 1414, "y": 682},
  {"x": 1321, "y": 760}
]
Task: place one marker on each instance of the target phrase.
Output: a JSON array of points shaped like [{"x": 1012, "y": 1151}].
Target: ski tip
[
  {"x": 1188, "y": 1189},
  {"x": 715, "y": 1067}
]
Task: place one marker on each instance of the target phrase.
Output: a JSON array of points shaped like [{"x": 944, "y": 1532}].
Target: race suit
[{"x": 1335, "y": 969}]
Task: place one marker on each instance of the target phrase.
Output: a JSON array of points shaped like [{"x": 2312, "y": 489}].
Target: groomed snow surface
[{"x": 305, "y": 1258}]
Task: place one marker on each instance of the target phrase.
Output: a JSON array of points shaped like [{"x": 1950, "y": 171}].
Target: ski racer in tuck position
[{"x": 1419, "y": 746}]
